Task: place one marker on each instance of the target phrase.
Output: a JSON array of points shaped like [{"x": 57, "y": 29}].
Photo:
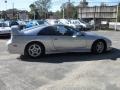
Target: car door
[
  {"x": 67, "y": 41},
  {"x": 47, "y": 36}
]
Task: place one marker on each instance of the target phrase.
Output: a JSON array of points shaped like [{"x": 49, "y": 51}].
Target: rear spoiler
[{"x": 15, "y": 30}]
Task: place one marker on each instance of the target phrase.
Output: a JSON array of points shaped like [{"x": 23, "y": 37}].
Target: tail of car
[{"x": 14, "y": 30}]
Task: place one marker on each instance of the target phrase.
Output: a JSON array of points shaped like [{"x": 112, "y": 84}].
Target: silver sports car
[{"x": 47, "y": 39}]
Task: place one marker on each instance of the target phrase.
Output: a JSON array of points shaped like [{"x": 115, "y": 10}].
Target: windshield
[
  {"x": 3, "y": 25},
  {"x": 83, "y": 21},
  {"x": 75, "y": 22}
]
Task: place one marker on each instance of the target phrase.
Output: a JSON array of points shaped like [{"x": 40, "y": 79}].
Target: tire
[
  {"x": 99, "y": 47},
  {"x": 34, "y": 50}
]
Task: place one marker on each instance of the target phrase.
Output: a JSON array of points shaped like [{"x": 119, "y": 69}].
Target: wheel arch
[
  {"x": 31, "y": 42},
  {"x": 98, "y": 41}
]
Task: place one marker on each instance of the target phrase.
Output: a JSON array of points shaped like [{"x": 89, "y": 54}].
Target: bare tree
[
  {"x": 43, "y": 6},
  {"x": 34, "y": 12},
  {"x": 68, "y": 10}
]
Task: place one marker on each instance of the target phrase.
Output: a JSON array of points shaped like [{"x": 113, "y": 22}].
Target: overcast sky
[{"x": 24, "y": 4}]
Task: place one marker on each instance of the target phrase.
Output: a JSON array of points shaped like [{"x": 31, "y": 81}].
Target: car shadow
[{"x": 114, "y": 54}]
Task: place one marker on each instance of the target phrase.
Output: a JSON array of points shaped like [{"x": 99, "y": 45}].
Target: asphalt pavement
[{"x": 70, "y": 71}]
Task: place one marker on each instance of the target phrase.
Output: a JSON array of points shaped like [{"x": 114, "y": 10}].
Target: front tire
[
  {"x": 34, "y": 50},
  {"x": 99, "y": 47}
]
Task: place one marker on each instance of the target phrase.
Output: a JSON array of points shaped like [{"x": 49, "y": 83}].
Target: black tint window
[
  {"x": 14, "y": 23},
  {"x": 49, "y": 31},
  {"x": 3, "y": 25},
  {"x": 41, "y": 22}
]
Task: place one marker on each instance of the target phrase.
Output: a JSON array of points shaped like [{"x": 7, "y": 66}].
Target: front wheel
[
  {"x": 99, "y": 47},
  {"x": 34, "y": 50}
]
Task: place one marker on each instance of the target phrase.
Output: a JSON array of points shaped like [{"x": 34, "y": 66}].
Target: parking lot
[{"x": 71, "y": 71}]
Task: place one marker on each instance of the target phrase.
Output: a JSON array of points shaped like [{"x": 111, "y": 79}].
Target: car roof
[{"x": 35, "y": 29}]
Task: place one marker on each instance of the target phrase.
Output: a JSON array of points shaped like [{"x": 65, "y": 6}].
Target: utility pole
[
  {"x": 6, "y": 9},
  {"x": 6, "y": 4},
  {"x": 116, "y": 17},
  {"x": 68, "y": 8},
  {"x": 13, "y": 11},
  {"x": 63, "y": 13},
  {"x": 81, "y": 12},
  {"x": 63, "y": 10},
  {"x": 94, "y": 18},
  {"x": 34, "y": 11}
]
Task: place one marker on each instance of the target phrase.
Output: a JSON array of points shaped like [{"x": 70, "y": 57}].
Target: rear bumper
[{"x": 14, "y": 48}]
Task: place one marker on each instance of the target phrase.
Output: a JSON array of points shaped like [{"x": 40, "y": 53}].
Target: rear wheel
[
  {"x": 99, "y": 47},
  {"x": 34, "y": 50}
]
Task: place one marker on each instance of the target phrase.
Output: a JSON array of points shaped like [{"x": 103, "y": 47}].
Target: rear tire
[
  {"x": 99, "y": 47},
  {"x": 34, "y": 50}
]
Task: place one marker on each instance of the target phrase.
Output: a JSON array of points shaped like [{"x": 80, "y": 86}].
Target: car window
[
  {"x": 14, "y": 23},
  {"x": 40, "y": 22},
  {"x": 65, "y": 31},
  {"x": 75, "y": 22},
  {"x": 83, "y": 22},
  {"x": 61, "y": 29},
  {"x": 50, "y": 30},
  {"x": 3, "y": 25}
]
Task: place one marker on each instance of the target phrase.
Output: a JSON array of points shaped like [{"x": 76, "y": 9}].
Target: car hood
[
  {"x": 90, "y": 33},
  {"x": 94, "y": 35}
]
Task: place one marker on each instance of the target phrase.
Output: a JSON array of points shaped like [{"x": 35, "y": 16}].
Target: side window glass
[
  {"x": 61, "y": 30},
  {"x": 49, "y": 31},
  {"x": 65, "y": 31}
]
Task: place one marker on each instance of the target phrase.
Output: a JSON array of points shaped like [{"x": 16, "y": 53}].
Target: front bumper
[{"x": 109, "y": 45}]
